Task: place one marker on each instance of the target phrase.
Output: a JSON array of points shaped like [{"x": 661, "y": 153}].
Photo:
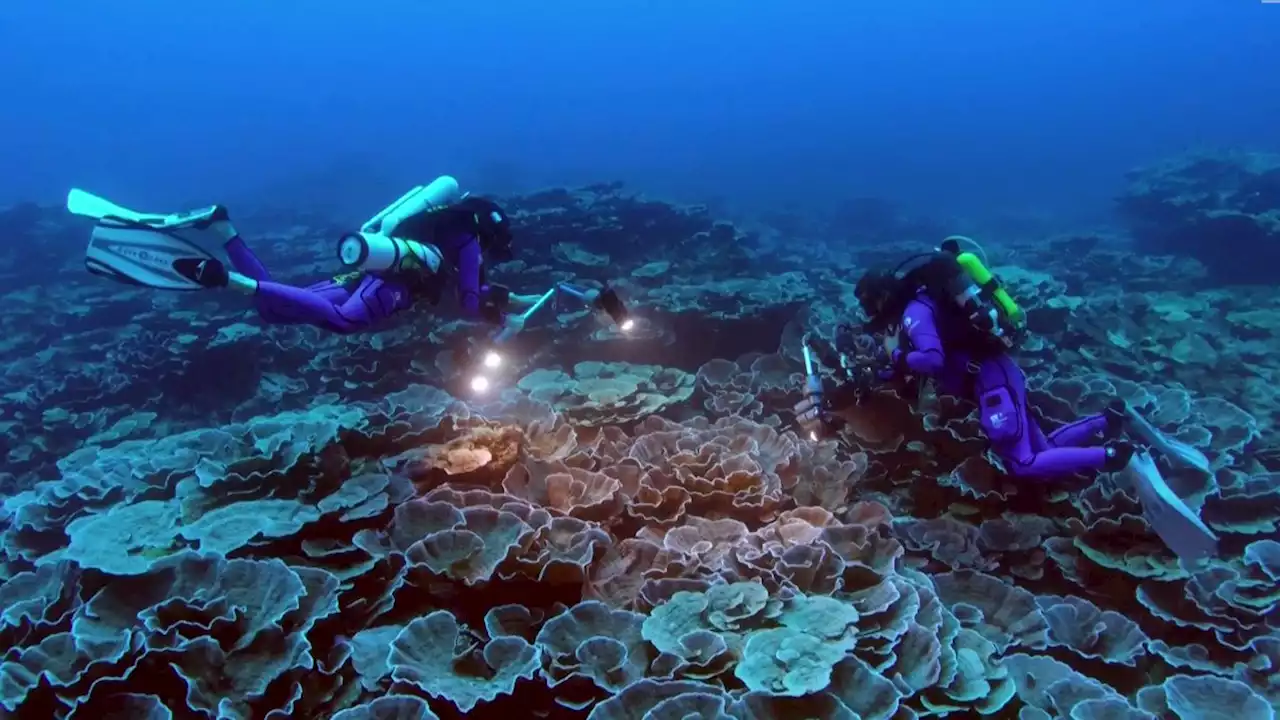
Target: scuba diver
[
  {"x": 944, "y": 316},
  {"x": 432, "y": 237}
]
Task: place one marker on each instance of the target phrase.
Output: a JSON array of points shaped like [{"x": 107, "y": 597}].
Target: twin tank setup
[
  {"x": 969, "y": 288},
  {"x": 375, "y": 247}
]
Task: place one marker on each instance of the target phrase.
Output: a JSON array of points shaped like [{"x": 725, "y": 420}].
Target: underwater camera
[{"x": 848, "y": 358}]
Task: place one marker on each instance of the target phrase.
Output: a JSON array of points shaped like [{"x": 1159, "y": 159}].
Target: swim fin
[
  {"x": 87, "y": 204},
  {"x": 194, "y": 224},
  {"x": 136, "y": 253},
  {"x": 1177, "y": 451},
  {"x": 1178, "y": 525},
  {"x": 80, "y": 202}
]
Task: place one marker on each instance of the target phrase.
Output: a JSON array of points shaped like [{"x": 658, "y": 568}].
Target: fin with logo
[
  {"x": 1177, "y": 451},
  {"x": 1178, "y": 525},
  {"x": 136, "y": 253},
  {"x": 194, "y": 226}
]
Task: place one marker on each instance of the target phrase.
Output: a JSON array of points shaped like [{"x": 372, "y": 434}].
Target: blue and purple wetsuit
[
  {"x": 369, "y": 298},
  {"x": 998, "y": 386}
]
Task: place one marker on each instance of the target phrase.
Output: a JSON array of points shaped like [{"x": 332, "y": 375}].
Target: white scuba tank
[
  {"x": 378, "y": 252},
  {"x": 441, "y": 192}
]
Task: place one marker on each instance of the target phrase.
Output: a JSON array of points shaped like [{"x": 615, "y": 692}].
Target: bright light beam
[
  {"x": 479, "y": 384},
  {"x": 492, "y": 359}
]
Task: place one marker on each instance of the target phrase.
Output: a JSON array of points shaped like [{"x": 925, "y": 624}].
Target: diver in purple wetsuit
[
  {"x": 431, "y": 248},
  {"x": 933, "y": 330}
]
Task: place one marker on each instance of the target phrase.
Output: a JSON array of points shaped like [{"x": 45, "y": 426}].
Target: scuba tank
[
  {"x": 377, "y": 252},
  {"x": 985, "y": 285},
  {"x": 375, "y": 246},
  {"x": 441, "y": 192},
  {"x": 962, "y": 280}
]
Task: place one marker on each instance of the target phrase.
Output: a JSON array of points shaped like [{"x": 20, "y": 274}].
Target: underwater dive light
[
  {"x": 612, "y": 305},
  {"x": 482, "y": 363},
  {"x": 827, "y": 424},
  {"x": 479, "y": 364},
  {"x": 606, "y": 301},
  {"x": 812, "y": 383}
]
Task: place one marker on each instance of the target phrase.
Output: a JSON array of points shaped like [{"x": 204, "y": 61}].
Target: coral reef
[
  {"x": 1221, "y": 209},
  {"x": 628, "y": 527}
]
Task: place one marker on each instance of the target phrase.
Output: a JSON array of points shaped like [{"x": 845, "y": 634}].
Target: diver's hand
[{"x": 890, "y": 343}]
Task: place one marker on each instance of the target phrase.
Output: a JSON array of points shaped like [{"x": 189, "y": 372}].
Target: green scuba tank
[
  {"x": 962, "y": 280},
  {"x": 987, "y": 284}
]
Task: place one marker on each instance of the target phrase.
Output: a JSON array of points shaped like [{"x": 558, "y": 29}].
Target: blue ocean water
[
  {"x": 964, "y": 106},
  {"x": 608, "y": 438}
]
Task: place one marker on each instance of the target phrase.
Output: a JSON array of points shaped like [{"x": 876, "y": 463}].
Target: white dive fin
[
  {"x": 442, "y": 191},
  {"x": 87, "y": 204},
  {"x": 1178, "y": 451},
  {"x": 1178, "y": 525},
  {"x": 191, "y": 225},
  {"x": 144, "y": 255}
]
